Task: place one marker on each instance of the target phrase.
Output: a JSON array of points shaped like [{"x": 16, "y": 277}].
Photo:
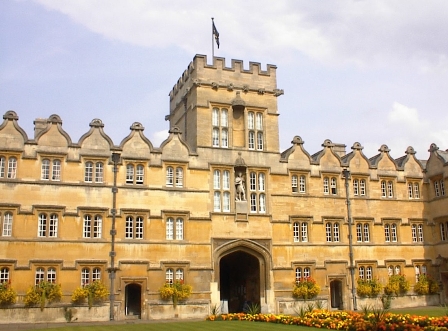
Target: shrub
[
  {"x": 368, "y": 288},
  {"x": 397, "y": 285},
  {"x": 426, "y": 285},
  {"x": 305, "y": 288},
  {"x": 41, "y": 293},
  {"x": 175, "y": 291},
  {"x": 7, "y": 294},
  {"x": 95, "y": 292}
]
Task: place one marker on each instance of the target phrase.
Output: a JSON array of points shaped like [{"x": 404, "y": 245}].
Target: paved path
[{"x": 37, "y": 326}]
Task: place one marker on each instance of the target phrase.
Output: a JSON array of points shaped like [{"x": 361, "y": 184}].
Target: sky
[{"x": 373, "y": 72}]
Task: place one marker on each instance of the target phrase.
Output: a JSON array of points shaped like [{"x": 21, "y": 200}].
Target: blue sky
[{"x": 374, "y": 72}]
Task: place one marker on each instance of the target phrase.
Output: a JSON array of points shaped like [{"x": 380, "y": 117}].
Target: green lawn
[
  {"x": 176, "y": 326},
  {"x": 434, "y": 311},
  {"x": 204, "y": 325}
]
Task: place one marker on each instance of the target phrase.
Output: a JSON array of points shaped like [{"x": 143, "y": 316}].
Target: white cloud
[
  {"x": 361, "y": 32},
  {"x": 157, "y": 138},
  {"x": 403, "y": 115}
]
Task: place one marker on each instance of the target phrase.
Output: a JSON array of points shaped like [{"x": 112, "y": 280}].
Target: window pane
[
  {"x": 97, "y": 226},
  {"x": 45, "y": 170},
  {"x": 224, "y": 117},
  {"x": 179, "y": 229},
  {"x": 40, "y": 275},
  {"x": 12, "y": 167},
  {"x": 86, "y": 232},
  {"x": 169, "y": 229},
  {"x": 179, "y": 177},
  {"x": 7, "y": 225},
  {"x": 130, "y": 174},
  {"x": 250, "y": 121},
  {"x": 53, "y": 226},
  {"x": 139, "y": 227},
  {"x": 56, "y": 170},
  {"x": 88, "y": 172},
  {"x": 169, "y": 176},
  {"x": 140, "y": 174}
]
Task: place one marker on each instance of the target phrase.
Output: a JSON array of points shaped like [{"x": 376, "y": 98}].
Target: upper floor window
[
  {"x": 8, "y": 167},
  {"x": 135, "y": 174},
  {"x": 298, "y": 183},
  {"x": 413, "y": 190},
  {"x": 90, "y": 275},
  {"x": 302, "y": 273},
  {"x": 257, "y": 192},
  {"x": 220, "y": 124},
  {"x": 221, "y": 188},
  {"x": 300, "y": 231},
  {"x": 92, "y": 228},
  {"x": 4, "y": 275},
  {"x": 390, "y": 232},
  {"x": 332, "y": 231},
  {"x": 47, "y": 225},
  {"x": 51, "y": 169},
  {"x": 362, "y": 232},
  {"x": 439, "y": 187},
  {"x": 174, "y": 229},
  {"x": 174, "y": 177},
  {"x": 43, "y": 274},
  {"x": 387, "y": 189},
  {"x": 330, "y": 185},
  {"x": 6, "y": 223},
  {"x": 417, "y": 233},
  {"x": 444, "y": 231},
  {"x": 134, "y": 227},
  {"x": 365, "y": 272},
  {"x": 359, "y": 187},
  {"x": 94, "y": 172},
  {"x": 255, "y": 130}
]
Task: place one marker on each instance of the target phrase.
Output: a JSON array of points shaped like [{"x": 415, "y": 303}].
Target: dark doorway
[
  {"x": 133, "y": 300},
  {"x": 239, "y": 280},
  {"x": 336, "y": 294}
]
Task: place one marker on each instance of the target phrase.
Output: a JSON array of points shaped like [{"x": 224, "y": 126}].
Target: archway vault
[{"x": 260, "y": 249}]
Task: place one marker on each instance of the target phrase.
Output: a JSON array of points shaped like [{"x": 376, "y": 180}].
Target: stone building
[{"x": 217, "y": 205}]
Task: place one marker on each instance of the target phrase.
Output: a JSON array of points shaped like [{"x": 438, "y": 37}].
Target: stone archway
[
  {"x": 336, "y": 294},
  {"x": 133, "y": 295},
  {"x": 239, "y": 280},
  {"x": 243, "y": 272}
]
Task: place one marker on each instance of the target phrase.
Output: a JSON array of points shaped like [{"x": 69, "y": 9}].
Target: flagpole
[{"x": 213, "y": 45}]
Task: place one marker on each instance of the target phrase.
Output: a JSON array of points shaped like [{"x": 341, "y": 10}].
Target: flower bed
[{"x": 343, "y": 320}]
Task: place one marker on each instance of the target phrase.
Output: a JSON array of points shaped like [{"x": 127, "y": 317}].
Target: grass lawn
[
  {"x": 435, "y": 311},
  {"x": 177, "y": 326}
]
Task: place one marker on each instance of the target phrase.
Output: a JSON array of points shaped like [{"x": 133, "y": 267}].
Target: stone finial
[
  {"x": 410, "y": 150},
  {"x": 137, "y": 126},
  {"x": 433, "y": 147},
  {"x": 11, "y": 115},
  {"x": 384, "y": 149},
  {"x": 96, "y": 123},
  {"x": 297, "y": 140},
  {"x": 357, "y": 146}
]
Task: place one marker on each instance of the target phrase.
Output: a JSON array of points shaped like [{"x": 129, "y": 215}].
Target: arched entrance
[
  {"x": 133, "y": 295},
  {"x": 239, "y": 280},
  {"x": 336, "y": 294}
]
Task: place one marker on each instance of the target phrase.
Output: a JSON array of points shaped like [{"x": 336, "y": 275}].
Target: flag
[{"x": 216, "y": 34}]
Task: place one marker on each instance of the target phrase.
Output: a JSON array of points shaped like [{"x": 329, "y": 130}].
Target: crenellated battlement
[{"x": 217, "y": 75}]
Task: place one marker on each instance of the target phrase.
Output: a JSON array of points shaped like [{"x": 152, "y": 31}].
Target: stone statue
[{"x": 239, "y": 187}]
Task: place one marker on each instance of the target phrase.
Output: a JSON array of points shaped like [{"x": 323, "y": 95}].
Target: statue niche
[{"x": 240, "y": 187}]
